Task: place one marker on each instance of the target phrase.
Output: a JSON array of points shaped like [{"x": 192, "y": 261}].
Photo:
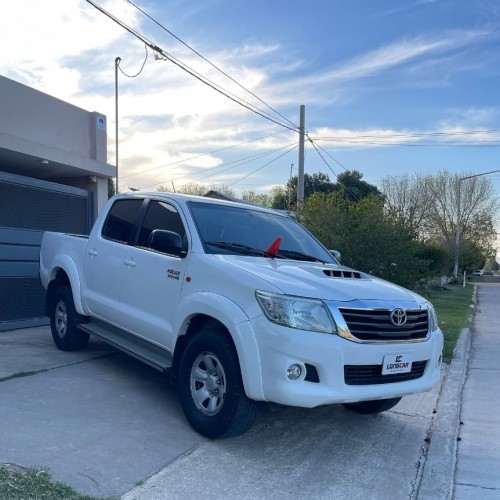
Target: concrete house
[{"x": 53, "y": 177}]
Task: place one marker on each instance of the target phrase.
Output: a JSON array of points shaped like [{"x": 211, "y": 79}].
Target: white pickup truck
[{"x": 242, "y": 305}]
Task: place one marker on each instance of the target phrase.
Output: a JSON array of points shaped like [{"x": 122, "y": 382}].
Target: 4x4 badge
[{"x": 398, "y": 317}]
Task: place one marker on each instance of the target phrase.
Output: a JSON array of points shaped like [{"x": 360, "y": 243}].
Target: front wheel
[
  {"x": 63, "y": 322},
  {"x": 211, "y": 388},
  {"x": 370, "y": 407}
]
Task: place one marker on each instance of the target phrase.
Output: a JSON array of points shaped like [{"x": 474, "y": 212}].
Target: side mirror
[
  {"x": 165, "y": 241},
  {"x": 336, "y": 254}
]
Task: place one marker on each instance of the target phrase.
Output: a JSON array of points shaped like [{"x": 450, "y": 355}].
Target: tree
[
  {"x": 367, "y": 239},
  {"x": 429, "y": 205},
  {"x": 111, "y": 188},
  {"x": 262, "y": 199},
  {"x": 407, "y": 199},
  {"x": 313, "y": 183},
  {"x": 474, "y": 199},
  {"x": 196, "y": 189},
  {"x": 353, "y": 188},
  {"x": 280, "y": 198},
  {"x": 349, "y": 184}
]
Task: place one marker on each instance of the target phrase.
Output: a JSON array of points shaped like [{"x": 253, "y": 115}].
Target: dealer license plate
[{"x": 396, "y": 363}]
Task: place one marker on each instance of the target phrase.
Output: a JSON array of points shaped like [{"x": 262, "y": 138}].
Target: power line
[
  {"x": 211, "y": 63},
  {"x": 268, "y": 163},
  {"x": 178, "y": 63},
  {"x": 203, "y": 154},
  {"x": 327, "y": 153},
  {"x": 409, "y": 135},
  {"x": 239, "y": 163},
  {"x": 476, "y": 144},
  {"x": 140, "y": 70},
  {"x": 349, "y": 189},
  {"x": 322, "y": 157}
]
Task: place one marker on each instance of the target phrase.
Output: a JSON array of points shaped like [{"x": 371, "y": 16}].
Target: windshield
[{"x": 233, "y": 230}]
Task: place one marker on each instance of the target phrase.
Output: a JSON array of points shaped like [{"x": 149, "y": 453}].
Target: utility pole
[
  {"x": 300, "y": 183},
  {"x": 117, "y": 63}
]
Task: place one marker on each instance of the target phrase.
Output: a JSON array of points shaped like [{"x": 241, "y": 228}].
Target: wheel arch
[
  {"x": 221, "y": 313},
  {"x": 64, "y": 272}
]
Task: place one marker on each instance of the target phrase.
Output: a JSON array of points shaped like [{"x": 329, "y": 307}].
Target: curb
[{"x": 438, "y": 475}]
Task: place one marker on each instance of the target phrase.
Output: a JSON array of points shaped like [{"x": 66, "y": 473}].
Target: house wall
[
  {"x": 53, "y": 177},
  {"x": 71, "y": 140}
]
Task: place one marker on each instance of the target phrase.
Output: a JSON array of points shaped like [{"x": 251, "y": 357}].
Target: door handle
[
  {"x": 93, "y": 252},
  {"x": 130, "y": 263}
]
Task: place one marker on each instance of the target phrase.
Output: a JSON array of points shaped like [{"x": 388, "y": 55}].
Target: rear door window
[{"x": 120, "y": 220}]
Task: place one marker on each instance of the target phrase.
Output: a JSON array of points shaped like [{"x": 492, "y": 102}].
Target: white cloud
[
  {"x": 67, "y": 49},
  {"x": 390, "y": 56}
]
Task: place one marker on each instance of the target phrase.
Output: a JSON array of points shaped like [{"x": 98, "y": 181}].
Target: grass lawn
[
  {"x": 453, "y": 312},
  {"x": 30, "y": 484}
]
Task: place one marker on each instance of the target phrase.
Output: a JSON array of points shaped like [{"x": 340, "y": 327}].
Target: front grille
[
  {"x": 372, "y": 374},
  {"x": 366, "y": 324}
]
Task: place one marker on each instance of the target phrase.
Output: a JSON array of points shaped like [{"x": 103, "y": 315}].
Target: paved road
[{"x": 100, "y": 421}]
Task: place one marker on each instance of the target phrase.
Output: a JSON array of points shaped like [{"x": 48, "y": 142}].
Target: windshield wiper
[
  {"x": 293, "y": 254},
  {"x": 246, "y": 250},
  {"x": 237, "y": 247}
]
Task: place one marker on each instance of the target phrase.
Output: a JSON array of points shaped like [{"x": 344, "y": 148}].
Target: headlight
[
  {"x": 433, "y": 322},
  {"x": 296, "y": 312}
]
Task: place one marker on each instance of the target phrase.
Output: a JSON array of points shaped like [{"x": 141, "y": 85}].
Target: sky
[{"x": 389, "y": 87}]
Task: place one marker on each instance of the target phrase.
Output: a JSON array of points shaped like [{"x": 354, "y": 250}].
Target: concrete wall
[
  {"x": 43, "y": 119},
  {"x": 46, "y": 138}
]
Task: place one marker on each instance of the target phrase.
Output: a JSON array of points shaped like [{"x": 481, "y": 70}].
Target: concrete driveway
[
  {"x": 103, "y": 422},
  {"x": 98, "y": 419}
]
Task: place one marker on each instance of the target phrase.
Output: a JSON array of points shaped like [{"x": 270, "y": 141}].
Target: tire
[
  {"x": 371, "y": 407},
  {"x": 211, "y": 388},
  {"x": 63, "y": 322}
]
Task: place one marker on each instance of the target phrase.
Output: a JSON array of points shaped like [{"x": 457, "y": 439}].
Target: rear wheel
[
  {"x": 63, "y": 322},
  {"x": 211, "y": 388},
  {"x": 370, "y": 407}
]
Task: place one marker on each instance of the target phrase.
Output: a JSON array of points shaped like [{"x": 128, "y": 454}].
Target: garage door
[{"x": 28, "y": 207}]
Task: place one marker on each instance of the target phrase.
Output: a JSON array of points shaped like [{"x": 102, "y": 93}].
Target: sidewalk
[{"x": 477, "y": 474}]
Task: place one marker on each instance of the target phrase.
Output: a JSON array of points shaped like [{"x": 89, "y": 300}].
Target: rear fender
[{"x": 64, "y": 262}]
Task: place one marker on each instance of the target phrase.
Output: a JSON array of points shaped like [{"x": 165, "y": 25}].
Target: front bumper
[{"x": 279, "y": 347}]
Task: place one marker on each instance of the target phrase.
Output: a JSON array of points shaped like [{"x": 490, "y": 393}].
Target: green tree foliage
[
  {"x": 281, "y": 198},
  {"x": 111, "y": 188},
  {"x": 262, "y": 199},
  {"x": 349, "y": 184},
  {"x": 196, "y": 189},
  {"x": 367, "y": 239},
  {"x": 352, "y": 186},
  {"x": 430, "y": 205},
  {"x": 407, "y": 198}
]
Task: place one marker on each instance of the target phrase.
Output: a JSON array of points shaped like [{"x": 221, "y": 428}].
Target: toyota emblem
[{"x": 398, "y": 317}]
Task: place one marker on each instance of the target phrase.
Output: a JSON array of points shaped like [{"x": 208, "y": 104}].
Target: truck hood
[{"x": 320, "y": 281}]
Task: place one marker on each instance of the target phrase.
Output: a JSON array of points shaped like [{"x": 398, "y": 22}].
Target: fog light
[{"x": 294, "y": 372}]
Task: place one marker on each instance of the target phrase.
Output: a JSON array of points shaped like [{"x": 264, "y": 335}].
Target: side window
[
  {"x": 161, "y": 215},
  {"x": 120, "y": 220}
]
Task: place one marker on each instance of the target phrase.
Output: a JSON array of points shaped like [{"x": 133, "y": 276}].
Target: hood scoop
[{"x": 341, "y": 273}]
